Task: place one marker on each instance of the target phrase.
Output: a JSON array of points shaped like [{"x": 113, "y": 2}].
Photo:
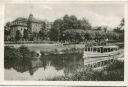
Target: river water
[{"x": 48, "y": 67}]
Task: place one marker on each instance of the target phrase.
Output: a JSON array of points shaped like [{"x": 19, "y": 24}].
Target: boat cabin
[{"x": 101, "y": 49}]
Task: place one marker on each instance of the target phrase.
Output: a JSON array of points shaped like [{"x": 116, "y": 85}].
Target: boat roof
[{"x": 113, "y": 46}]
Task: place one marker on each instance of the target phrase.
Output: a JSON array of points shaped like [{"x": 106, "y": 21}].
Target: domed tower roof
[
  {"x": 21, "y": 19},
  {"x": 30, "y": 17},
  {"x": 31, "y": 14}
]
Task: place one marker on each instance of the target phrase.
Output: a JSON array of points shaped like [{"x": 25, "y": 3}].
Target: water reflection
[{"x": 48, "y": 67}]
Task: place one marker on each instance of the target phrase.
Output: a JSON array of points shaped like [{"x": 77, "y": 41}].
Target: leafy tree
[
  {"x": 56, "y": 30},
  {"x": 120, "y": 27},
  {"x": 87, "y": 36},
  {"x": 73, "y": 35},
  {"x": 67, "y": 23},
  {"x": 42, "y": 34},
  {"x": 120, "y": 30},
  {"x": 7, "y": 31},
  {"x": 35, "y": 36},
  {"x": 18, "y": 35},
  {"x": 73, "y": 22},
  {"x": 54, "y": 35},
  {"x": 122, "y": 22},
  {"x": 26, "y": 34},
  {"x": 7, "y": 25},
  {"x": 84, "y": 24},
  {"x": 6, "y": 34}
]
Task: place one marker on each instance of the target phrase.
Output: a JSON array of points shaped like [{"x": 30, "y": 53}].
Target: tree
[
  {"x": 74, "y": 35},
  {"x": 122, "y": 22},
  {"x": 84, "y": 24},
  {"x": 67, "y": 23},
  {"x": 18, "y": 35},
  {"x": 87, "y": 36},
  {"x": 54, "y": 34},
  {"x": 70, "y": 22},
  {"x": 7, "y": 25},
  {"x": 42, "y": 34},
  {"x": 26, "y": 34},
  {"x": 73, "y": 22},
  {"x": 120, "y": 27},
  {"x": 6, "y": 34},
  {"x": 7, "y": 31},
  {"x": 56, "y": 30},
  {"x": 120, "y": 30}
]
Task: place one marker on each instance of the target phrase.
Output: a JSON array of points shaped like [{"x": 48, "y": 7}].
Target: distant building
[
  {"x": 48, "y": 26},
  {"x": 31, "y": 24},
  {"x": 34, "y": 24},
  {"x": 18, "y": 24}
]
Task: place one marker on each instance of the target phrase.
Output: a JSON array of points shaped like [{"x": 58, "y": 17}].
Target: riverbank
[
  {"x": 55, "y": 47},
  {"x": 48, "y": 47}
]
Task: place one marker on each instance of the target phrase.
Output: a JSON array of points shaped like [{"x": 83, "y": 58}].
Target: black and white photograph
[{"x": 64, "y": 42}]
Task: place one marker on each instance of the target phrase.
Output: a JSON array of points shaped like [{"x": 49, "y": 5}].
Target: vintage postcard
[{"x": 64, "y": 41}]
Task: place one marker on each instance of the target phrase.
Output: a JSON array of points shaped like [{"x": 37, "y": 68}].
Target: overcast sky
[{"x": 98, "y": 14}]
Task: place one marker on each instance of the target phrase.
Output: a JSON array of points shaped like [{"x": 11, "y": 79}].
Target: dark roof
[
  {"x": 15, "y": 23},
  {"x": 107, "y": 46},
  {"x": 21, "y": 19},
  {"x": 25, "y": 19}
]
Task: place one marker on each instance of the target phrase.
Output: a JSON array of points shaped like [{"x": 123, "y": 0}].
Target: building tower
[{"x": 30, "y": 18}]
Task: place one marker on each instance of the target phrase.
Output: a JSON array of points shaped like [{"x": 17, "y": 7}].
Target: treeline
[{"x": 71, "y": 29}]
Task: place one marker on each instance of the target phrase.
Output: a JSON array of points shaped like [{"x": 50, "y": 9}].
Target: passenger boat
[{"x": 100, "y": 51}]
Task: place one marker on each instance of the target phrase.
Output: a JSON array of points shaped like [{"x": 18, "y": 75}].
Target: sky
[{"x": 97, "y": 14}]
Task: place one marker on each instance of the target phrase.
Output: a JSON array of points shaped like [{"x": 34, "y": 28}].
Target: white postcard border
[{"x": 74, "y": 83}]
